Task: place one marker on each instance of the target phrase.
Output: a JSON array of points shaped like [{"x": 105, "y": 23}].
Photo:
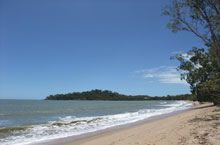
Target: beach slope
[{"x": 200, "y": 125}]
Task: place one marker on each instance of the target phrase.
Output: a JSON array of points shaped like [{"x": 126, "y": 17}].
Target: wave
[{"x": 71, "y": 125}]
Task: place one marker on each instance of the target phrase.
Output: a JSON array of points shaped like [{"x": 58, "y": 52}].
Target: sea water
[{"x": 24, "y": 122}]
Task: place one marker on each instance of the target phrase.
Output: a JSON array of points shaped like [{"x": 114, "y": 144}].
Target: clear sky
[{"x": 62, "y": 46}]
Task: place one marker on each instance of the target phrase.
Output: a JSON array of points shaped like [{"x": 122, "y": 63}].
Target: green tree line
[
  {"x": 109, "y": 95},
  {"x": 95, "y": 95}
]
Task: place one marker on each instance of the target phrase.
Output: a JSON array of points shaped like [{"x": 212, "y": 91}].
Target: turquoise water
[{"x": 33, "y": 121}]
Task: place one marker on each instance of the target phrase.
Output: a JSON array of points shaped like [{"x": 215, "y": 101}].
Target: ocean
[{"x": 24, "y": 122}]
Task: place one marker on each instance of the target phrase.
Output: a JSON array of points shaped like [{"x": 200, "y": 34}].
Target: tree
[
  {"x": 201, "y": 17},
  {"x": 201, "y": 68},
  {"x": 197, "y": 66},
  {"x": 210, "y": 88}
]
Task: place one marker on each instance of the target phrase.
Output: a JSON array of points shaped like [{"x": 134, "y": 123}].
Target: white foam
[{"x": 70, "y": 125}]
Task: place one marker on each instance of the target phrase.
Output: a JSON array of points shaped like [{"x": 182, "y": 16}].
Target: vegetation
[
  {"x": 210, "y": 88},
  {"x": 95, "y": 95},
  {"x": 109, "y": 95},
  {"x": 175, "y": 97},
  {"x": 200, "y": 67}
]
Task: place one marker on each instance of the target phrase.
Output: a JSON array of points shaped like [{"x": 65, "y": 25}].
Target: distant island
[{"x": 113, "y": 96}]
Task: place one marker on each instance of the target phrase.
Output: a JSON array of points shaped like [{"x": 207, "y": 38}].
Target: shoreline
[
  {"x": 192, "y": 126},
  {"x": 87, "y": 119},
  {"x": 77, "y": 138}
]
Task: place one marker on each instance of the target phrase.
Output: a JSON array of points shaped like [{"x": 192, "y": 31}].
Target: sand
[{"x": 197, "y": 126}]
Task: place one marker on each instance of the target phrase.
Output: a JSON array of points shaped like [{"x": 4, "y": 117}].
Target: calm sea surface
[{"x": 33, "y": 121}]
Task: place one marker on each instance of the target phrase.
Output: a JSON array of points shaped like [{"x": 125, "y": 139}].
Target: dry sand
[{"x": 200, "y": 125}]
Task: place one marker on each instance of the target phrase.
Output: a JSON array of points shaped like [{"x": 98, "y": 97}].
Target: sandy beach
[{"x": 200, "y": 125}]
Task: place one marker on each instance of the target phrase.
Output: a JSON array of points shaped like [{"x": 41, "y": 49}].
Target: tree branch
[
  {"x": 213, "y": 5},
  {"x": 193, "y": 30}
]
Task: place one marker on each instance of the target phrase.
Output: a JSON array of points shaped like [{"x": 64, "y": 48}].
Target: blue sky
[{"x": 62, "y": 46}]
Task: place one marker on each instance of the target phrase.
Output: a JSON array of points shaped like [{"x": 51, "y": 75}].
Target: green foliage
[
  {"x": 197, "y": 65},
  {"x": 200, "y": 71},
  {"x": 95, "y": 95},
  {"x": 109, "y": 95},
  {"x": 210, "y": 88},
  {"x": 175, "y": 97}
]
